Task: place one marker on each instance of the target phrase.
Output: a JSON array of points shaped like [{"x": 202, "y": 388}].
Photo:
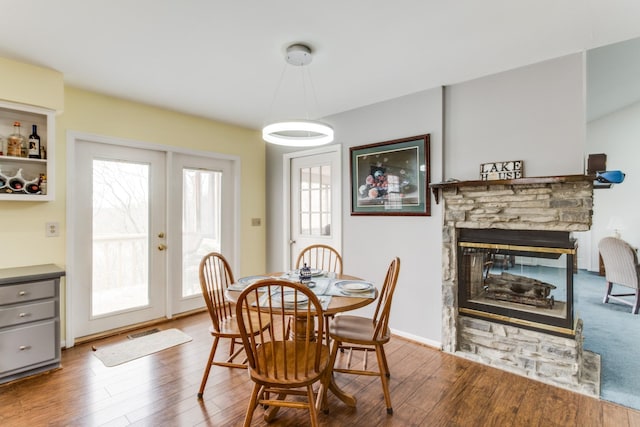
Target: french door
[
  {"x": 201, "y": 221},
  {"x": 140, "y": 221},
  {"x": 119, "y": 257}
]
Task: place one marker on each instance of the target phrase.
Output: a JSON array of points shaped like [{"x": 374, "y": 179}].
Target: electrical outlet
[{"x": 52, "y": 229}]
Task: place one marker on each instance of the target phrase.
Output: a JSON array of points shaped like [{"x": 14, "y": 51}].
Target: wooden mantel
[{"x": 435, "y": 187}]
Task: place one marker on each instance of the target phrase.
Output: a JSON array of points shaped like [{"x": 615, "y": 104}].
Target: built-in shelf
[{"x": 20, "y": 175}]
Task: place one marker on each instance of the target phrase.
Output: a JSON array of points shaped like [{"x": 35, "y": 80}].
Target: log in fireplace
[{"x": 518, "y": 277}]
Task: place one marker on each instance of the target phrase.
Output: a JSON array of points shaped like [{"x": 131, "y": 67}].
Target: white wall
[
  {"x": 618, "y": 136},
  {"x": 535, "y": 114},
  {"x": 370, "y": 242}
]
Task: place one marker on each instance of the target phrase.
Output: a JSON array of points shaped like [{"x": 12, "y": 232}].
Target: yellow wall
[
  {"x": 29, "y": 84},
  {"x": 22, "y": 224}
]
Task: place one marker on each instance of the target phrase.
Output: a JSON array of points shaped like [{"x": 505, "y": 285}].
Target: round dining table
[{"x": 338, "y": 304}]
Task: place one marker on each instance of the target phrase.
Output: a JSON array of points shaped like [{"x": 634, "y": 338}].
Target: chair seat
[
  {"x": 295, "y": 368},
  {"x": 229, "y": 326},
  {"x": 356, "y": 330}
]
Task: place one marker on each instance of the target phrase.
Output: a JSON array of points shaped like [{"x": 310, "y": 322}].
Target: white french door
[
  {"x": 203, "y": 206},
  {"x": 140, "y": 221},
  {"x": 119, "y": 257},
  {"x": 315, "y": 200}
]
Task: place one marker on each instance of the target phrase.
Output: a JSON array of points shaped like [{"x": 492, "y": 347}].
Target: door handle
[
  {"x": 162, "y": 247},
  {"x": 161, "y": 235}
]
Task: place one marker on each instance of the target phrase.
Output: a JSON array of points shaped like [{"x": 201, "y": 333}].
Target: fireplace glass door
[{"x": 523, "y": 278}]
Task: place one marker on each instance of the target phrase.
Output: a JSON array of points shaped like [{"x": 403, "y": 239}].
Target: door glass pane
[
  {"x": 315, "y": 196},
  {"x": 201, "y": 213},
  {"x": 120, "y": 274}
]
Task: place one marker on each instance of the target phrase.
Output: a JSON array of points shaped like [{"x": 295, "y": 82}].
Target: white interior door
[
  {"x": 119, "y": 229},
  {"x": 202, "y": 220},
  {"x": 315, "y": 200}
]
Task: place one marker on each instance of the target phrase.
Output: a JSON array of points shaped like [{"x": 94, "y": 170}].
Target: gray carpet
[{"x": 611, "y": 331}]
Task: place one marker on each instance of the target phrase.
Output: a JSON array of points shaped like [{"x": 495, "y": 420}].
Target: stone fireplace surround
[{"x": 562, "y": 203}]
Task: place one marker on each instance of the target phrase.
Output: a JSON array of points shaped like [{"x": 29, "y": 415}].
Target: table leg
[
  {"x": 302, "y": 328},
  {"x": 347, "y": 398}
]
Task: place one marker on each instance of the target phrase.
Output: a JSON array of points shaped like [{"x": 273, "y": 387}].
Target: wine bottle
[
  {"x": 34, "y": 143},
  {"x": 15, "y": 141}
]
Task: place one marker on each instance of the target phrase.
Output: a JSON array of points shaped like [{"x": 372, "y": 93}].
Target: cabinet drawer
[
  {"x": 27, "y": 345},
  {"x": 27, "y": 313},
  {"x": 27, "y": 291}
]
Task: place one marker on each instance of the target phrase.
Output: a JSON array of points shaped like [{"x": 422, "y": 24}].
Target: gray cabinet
[{"x": 29, "y": 320}]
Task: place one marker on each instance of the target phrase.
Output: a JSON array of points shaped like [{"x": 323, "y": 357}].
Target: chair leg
[
  {"x": 313, "y": 414},
  {"x": 252, "y": 404},
  {"x": 386, "y": 364},
  {"x": 637, "y": 304},
  {"x": 205, "y": 377},
  {"x": 322, "y": 401},
  {"x": 326, "y": 330},
  {"x": 383, "y": 377},
  {"x": 606, "y": 296}
]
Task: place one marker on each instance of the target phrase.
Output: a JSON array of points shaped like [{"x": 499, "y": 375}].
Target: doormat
[
  {"x": 143, "y": 333},
  {"x": 136, "y": 348}
]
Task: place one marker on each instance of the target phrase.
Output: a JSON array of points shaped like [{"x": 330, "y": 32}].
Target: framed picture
[{"x": 391, "y": 177}]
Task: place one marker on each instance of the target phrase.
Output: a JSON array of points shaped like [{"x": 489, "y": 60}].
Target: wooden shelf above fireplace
[{"x": 435, "y": 187}]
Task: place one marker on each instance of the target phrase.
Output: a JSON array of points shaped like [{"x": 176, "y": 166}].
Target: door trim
[
  {"x": 286, "y": 189},
  {"x": 72, "y": 139}
]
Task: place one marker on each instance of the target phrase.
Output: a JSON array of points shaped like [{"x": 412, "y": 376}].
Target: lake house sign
[{"x": 501, "y": 170}]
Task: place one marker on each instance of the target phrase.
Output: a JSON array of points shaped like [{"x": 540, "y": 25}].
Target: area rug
[{"x": 135, "y": 348}]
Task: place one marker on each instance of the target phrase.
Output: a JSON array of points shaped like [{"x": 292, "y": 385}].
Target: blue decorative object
[
  {"x": 305, "y": 274},
  {"x": 610, "y": 177}
]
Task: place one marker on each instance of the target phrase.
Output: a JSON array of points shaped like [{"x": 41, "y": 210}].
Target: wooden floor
[{"x": 428, "y": 388}]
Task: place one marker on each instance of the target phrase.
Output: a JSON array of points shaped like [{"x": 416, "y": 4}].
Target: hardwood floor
[{"x": 428, "y": 388}]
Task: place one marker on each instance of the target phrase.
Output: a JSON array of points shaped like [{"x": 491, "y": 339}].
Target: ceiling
[{"x": 224, "y": 59}]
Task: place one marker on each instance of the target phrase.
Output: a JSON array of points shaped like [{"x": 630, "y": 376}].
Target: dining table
[{"x": 338, "y": 293}]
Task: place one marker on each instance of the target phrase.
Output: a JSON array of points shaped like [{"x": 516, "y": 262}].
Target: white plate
[
  {"x": 353, "y": 286},
  {"x": 291, "y": 298},
  {"x": 250, "y": 280}
]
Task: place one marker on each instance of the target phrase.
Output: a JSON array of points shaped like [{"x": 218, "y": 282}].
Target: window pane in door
[
  {"x": 315, "y": 196},
  {"x": 201, "y": 213},
  {"x": 120, "y": 274}
]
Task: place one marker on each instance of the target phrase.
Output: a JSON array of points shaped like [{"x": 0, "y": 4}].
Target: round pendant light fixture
[{"x": 298, "y": 133}]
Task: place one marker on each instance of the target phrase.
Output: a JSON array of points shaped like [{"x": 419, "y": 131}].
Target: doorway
[{"x": 140, "y": 219}]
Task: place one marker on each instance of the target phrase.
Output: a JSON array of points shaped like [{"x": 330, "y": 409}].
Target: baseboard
[{"x": 417, "y": 339}]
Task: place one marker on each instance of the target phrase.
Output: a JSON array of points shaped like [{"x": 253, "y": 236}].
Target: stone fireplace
[{"x": 508, "y": 264}]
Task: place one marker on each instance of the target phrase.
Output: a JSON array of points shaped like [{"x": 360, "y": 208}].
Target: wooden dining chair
[
  {"x": 280, "y": 366},
  {"x": 325, "y": 258},
  {"x": 215, "y": 277},
  {"x": 367, "y": 334},
  {"x": 321, "y": 257}
]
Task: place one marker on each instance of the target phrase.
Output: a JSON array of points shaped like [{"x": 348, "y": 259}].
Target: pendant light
[{"x": 298, "y": 133}]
